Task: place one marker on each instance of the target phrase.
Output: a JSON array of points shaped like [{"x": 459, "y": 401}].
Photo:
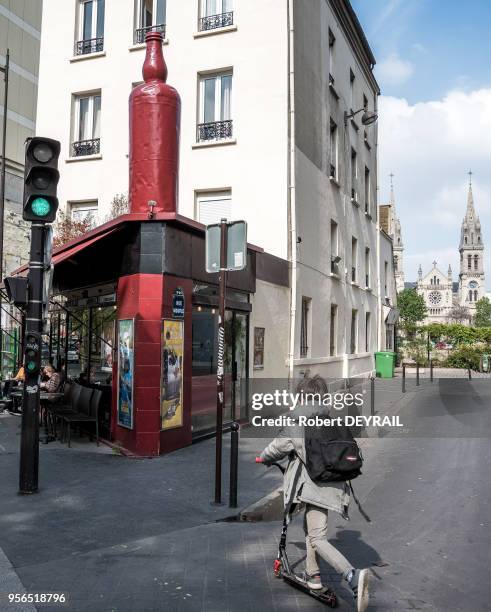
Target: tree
[
  {"x": 67, "y": 229},
  {"x": 119, "y": 206},
  {"x": 459, "y": 314},
  {"x": 412, "y": 309},
  {"x": 483, "y": 313}
]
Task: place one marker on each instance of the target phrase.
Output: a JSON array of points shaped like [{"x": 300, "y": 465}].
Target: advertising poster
[
  {"x": 171, "y": 409},
  {"x": 125, "y": 372}
]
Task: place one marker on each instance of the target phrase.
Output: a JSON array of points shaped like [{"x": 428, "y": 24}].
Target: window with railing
[
  {"x": 367, "y": 267},
  {"x": 333, "y": 150},
  {"x": 215, "y": 108},
  {"x": 367, "y": 191},
  {"x": 150, "y": 16},
  {"x": 333, "y": 330},
  {"x": 354, "y": 332},
  {"x": 86, "y": 125},
  {"x": 215, "y": 14},
  {"x": 335, "y": 259},
  {"x": 304, "y": 327},
  {"x": 354, "y": 176},
  {"x": 84, "y": 212},
  {"x": 90, "y": 29},
  {"x": 354, "y": 256}
]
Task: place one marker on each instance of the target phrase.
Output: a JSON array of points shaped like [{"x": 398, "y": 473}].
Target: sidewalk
[{"x": 119, "y": 534}]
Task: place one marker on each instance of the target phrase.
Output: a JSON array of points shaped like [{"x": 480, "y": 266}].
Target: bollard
[
  {"x": 372, "y": 395},
  {"x": 234, "y": 464},
  {"x": 431, "y": 370},
  {"x": 417, "y": 374},
  {"x": 404, "y": 378}
]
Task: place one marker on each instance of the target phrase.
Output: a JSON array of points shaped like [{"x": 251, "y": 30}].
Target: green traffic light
[
  {"x": 40, "y": 207},
  {"x": 31, "y": 366}
]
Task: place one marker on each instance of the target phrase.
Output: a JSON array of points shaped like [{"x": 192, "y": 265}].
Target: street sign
[
  {"x": 178, "y": 303},
  {"x": 236, "y": 246}
]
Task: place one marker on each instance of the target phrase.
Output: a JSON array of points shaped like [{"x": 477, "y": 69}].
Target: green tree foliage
[
  {"x": 412, "y": 309},
  {"x": 465, "y": 357},
  {"x": 483, "y": 313}
]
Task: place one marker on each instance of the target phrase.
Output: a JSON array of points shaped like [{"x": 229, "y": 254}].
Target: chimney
[{"x": 155, "y": 110}]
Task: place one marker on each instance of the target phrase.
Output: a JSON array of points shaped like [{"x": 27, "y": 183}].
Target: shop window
[
  {"x": 259, "y": 348},
  {"x": 211, "y": 207}
]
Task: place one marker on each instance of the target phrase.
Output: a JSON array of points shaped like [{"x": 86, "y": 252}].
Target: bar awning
[{"x": 72, "y": 251}]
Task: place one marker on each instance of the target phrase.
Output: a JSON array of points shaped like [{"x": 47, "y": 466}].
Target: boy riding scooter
[{"x": 319, "y": 495}]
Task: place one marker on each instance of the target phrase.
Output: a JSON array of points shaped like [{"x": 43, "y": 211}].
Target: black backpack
[{"x": 331, "y": 454}]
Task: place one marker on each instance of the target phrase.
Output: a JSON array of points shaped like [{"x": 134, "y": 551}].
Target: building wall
[
  {"x": 388, "y": 290},
  {"x": 20, "y": 32},
  {"x": 253, "y": 166},
  {"x": 320, "y": 199}
]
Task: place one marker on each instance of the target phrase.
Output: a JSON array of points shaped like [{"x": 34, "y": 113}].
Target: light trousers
[{"x": 315, "y": 528}]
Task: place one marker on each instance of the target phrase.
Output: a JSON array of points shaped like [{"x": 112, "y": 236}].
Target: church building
[
  {"x": 391, "y": 225},
  {"x": 452, "y": 302}
]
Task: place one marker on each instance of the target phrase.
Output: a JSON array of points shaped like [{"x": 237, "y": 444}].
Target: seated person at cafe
[
  {"x": 20, "y": 376},
  {"x": 53, "y": 382}
]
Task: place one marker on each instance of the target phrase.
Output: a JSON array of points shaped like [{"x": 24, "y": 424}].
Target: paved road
[{"x": 134, "y": 536}]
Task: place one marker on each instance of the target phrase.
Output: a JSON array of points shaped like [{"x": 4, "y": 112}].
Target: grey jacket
[{"x": 297, "y": 485}]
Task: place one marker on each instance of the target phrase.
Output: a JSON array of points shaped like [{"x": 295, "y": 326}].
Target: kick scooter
[{"x": 283, "y": 569}]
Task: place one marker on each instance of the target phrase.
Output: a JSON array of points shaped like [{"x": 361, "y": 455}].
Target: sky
[{"x": 434, "y": 71}]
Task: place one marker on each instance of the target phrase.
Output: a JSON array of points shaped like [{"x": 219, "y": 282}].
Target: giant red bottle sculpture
[{"x": 155, "y": 109}]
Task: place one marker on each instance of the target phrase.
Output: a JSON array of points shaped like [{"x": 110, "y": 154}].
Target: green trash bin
[{"x": 385, "y": 362}]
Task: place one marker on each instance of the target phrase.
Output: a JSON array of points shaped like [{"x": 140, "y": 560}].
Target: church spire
[
  {"x": 470, "y": 214},
  {"x": 392, "y": 200}
]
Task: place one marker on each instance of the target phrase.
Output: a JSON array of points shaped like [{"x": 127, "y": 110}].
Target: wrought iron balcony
[
  {"x": 82, "y": 148},
  {"x": 140, "y": 33},
  {"x": 332, "y": 171},
  {"x": 93, "y": 45},
  {"x": 213, "y": 22},
  {"x": 217, "y": 130}
]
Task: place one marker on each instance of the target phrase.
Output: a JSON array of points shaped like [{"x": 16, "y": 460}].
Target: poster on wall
[
  {"x": 171, "y": 409},
  {"x": 125, "y": 372}
]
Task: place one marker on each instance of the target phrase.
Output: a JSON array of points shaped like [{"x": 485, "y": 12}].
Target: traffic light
[
  {"x": 32, "y": 354},
  {"x": 41, "y": 180},
  {"x": 16, "y": 288}
]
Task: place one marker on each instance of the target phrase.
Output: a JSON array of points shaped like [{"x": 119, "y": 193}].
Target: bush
[{"x": 465, "y": 357}]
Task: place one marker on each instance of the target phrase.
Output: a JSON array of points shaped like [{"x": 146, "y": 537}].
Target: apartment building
[
  {"x": 20, "y": 33},
  {"x": 275, "y": 98}
]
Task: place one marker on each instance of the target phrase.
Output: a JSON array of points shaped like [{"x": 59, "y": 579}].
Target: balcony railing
[
  {"x": 353, "y": 274},
  {"x": 332, "y": 171},
  {"x": 82, "y": 148},
  {"x": 93, "y": 45},
  {"x": 213, "y": 22},
  {"x": 140, "y": 33},
  {"x": 217, "y": 130}
]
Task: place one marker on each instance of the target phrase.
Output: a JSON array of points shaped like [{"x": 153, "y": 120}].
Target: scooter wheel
[{"x": 277, "y": 565}]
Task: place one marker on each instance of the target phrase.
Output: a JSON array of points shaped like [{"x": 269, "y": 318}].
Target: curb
[{"x": 268, "y": 508}]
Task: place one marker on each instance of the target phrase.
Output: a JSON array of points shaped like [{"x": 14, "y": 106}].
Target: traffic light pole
[{"x": 29, "y": 447}]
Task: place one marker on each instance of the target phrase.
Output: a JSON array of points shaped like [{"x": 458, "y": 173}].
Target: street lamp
[{"x": 367, "y": 118}]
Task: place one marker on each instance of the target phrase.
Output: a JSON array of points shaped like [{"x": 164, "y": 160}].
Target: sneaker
[
  {"x": 314, "y": 581},
  {"x": 358, "y": 582}
]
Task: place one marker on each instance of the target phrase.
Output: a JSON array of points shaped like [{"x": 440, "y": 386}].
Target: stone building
[
  {"x": 391, "y": 225},
  {"x": 448, "y": 301}
]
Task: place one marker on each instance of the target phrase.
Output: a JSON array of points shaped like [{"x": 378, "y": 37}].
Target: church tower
[
  {"x": 396, "y": 235},
  {"x": 471, "y": 279}
]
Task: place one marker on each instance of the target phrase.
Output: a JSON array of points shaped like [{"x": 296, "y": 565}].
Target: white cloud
[
  {"x": 430, "y": 147},
  {"x": 393, "y": 70}
]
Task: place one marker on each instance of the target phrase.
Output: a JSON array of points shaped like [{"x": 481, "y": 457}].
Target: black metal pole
[
  {"x": 234, "y": 464},
  {"x": 372, "y": 395},
  {"x": 5, "y": 69},
  {"x": 29, "y": 444},
  {"x": 404, "y": 378},
  {"x": 417, "y": 374},
  {"x": 220, "y": 362},
  {"x": 469, "y": 373},
  {"x": 431, "y": 370},
  {"x": 428, "y": 350}
]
